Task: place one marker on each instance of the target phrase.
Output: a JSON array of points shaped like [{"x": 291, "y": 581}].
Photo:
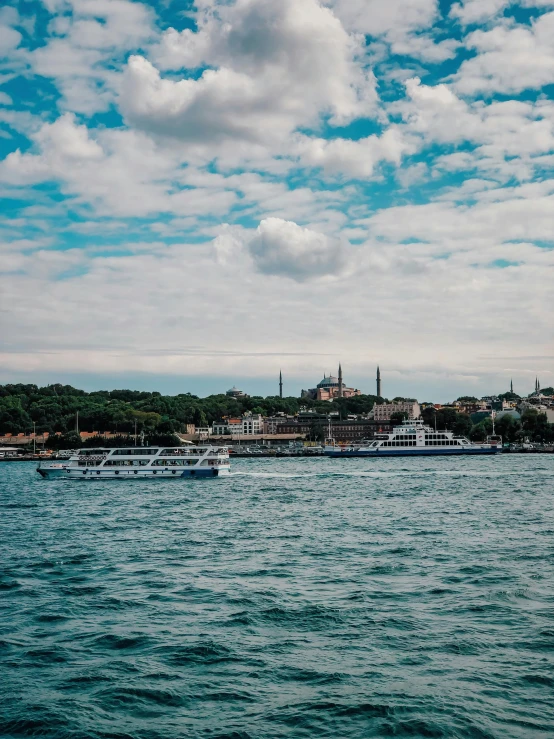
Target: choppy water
[{"x": 297, "y": 598}]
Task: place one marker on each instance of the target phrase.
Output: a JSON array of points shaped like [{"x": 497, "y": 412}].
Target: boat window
[
  {"x": 172, "y": 462},
  {"x": 134, "y": 452},
  {"x": 125, "y": 463}
]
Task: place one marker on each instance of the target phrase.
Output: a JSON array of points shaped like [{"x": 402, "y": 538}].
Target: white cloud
[
  {"x": 87, "y": 45},
  {"x": 408, "y": 176},
  {"x": 507, "y": 135},
  {"x": 9, "y": 37},
  {"x": 120, "y": 173},
  {"x": 510, "y": 58},
  {"x": 399, "y": 23},
  {"x": 422, "y": 46},
  {"x": 354, "y": 158},
  {"x": 378, "y": 17},
  {"x": 462, "y": 227},
  {"x": 286, "y": 249},
  {"x": 272, "y": 68},
  {"x": 476, "y": 11}
]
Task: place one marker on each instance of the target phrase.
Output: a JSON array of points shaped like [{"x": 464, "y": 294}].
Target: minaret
[
  {"x": 378, "y": 382},
  {"x": 340, "y": 381},
  {"x": 280, "y": 384},
  {"x": 512, "y": 386}
]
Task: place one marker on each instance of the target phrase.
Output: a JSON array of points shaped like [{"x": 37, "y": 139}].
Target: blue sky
[{"x": 197, "y": 195}]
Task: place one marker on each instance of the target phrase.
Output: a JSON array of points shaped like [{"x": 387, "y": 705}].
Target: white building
[
  {"x": 384, "y": 411},
  {"x": 220, "y": 428},
  {"x": 252, "y": 424},
  {"x": 249, "y": 425}
]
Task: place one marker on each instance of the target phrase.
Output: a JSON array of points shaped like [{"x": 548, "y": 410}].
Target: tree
[
  {"x": 316, "y": 432},
  {"x": 70, "y": 440},
  {"x": 468, "y": 399},
  {"x": 481, "y": 430},
  {"x": 462, "y": 425},
  {"x": 508, "y": 427},
  {"x": 509, "y": 396},
  {"x": 398, "y": 417},
  {"x": 200, "y": 418}
]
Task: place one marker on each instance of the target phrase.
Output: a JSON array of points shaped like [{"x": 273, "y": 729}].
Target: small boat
[
  {"x": 415, "y": 439},
  {"x": 141, "y": 462}
]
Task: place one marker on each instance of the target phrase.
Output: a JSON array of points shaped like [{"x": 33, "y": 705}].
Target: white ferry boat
[
  {"x": 140, "y": 462},
  {"x": 415, "y": 439}
]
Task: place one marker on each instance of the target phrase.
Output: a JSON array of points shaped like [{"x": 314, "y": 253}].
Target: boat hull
[
  {"x": 423, "y": 452},
  {"x": 93, "y": 474}
]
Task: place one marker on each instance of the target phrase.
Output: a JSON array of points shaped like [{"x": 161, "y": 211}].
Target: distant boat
[
  {"x": 141, "y": 462},
  {"x": 415, "y": 439}
]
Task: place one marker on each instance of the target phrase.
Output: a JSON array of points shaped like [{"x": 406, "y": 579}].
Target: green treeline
[
  {"x": 533, "y": 425},
  {"x": 54, "y": 409}
]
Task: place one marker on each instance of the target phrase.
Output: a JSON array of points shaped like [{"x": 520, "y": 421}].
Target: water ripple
[{"x": 298, "y": 598}]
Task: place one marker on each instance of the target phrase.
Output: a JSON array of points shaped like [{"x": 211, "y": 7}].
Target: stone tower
[
  {"x": 280, "y": 384},
  {"x": 378, "y": 382}
]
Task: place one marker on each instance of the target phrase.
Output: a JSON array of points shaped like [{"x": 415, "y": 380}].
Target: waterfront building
[
  {"x": 252, "y": 423},
  {"x": 220, "y": 428},
  {"x": 271, "y": 423},
  {"x": 249, "y": 425},
  {"x": 348, "y": 430},
  {"x": 385, "y": 411},
  {"x": 331, "y": 387}
]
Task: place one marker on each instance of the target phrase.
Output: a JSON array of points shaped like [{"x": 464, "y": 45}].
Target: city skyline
[{"x": 398, "y": 385}]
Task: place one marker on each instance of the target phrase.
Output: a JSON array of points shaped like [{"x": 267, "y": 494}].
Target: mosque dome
[{"x": 329, "y": 381}]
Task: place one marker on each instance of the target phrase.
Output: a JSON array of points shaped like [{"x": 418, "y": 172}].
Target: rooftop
[{"x": 329, "y": 381}]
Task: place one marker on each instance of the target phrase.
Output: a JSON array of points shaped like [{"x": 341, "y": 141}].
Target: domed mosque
[{"x": 329, "y": 388}]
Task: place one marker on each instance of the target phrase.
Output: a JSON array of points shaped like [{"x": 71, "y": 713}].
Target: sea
[{"x": 297, "y": 598}]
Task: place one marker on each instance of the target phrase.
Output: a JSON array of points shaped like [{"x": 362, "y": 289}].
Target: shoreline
[{"x": 265, "y": 455}]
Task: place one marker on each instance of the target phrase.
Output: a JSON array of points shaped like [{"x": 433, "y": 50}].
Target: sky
[{"x": 200, "y": 194}]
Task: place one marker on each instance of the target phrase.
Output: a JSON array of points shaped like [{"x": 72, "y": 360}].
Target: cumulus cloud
[
  {"x": 522, "y": 215},
  {"x": 475, "y": 11},
  {"x": 508, "y": 136},
  {"x": 272, "y": 68},
  {"x": 354, "y": 158},
  {"x": 121, "y": 173},
  {"x": 9, "y": 39},
  {"x": 377, "y": 17},
  {"x": 286, "y": 249},
  {"x": 509, "y": 58},
  {"x": 403, "y": 24},
  {"x": 85, "y": 47}
]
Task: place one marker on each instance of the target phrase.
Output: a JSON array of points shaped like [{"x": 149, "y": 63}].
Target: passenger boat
[
  {"x": 141, "y": 462},
  {"x": 415, "y": 439}
]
